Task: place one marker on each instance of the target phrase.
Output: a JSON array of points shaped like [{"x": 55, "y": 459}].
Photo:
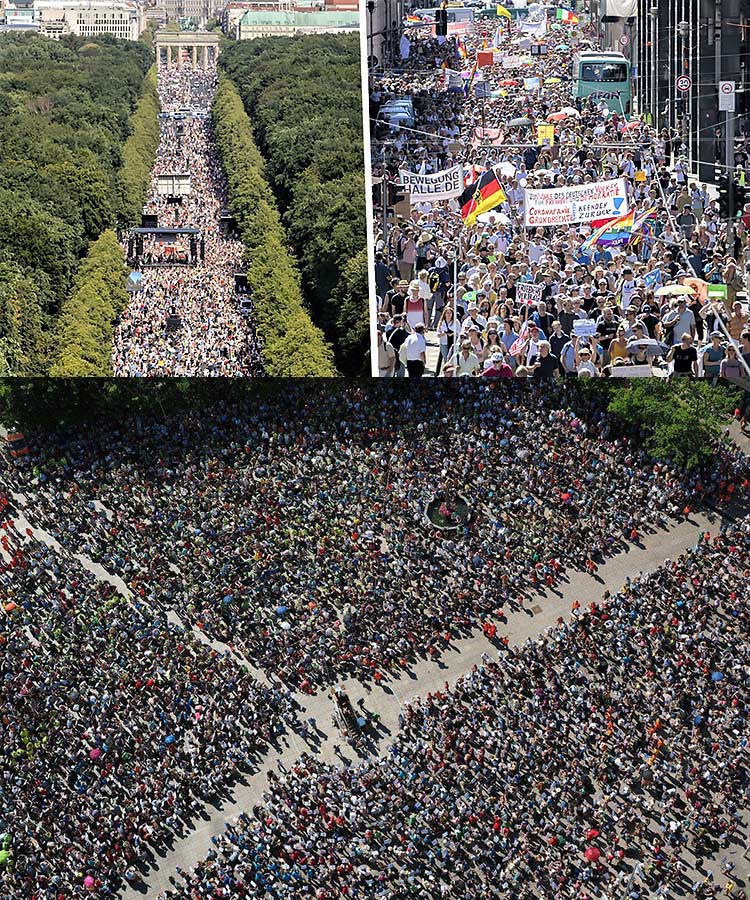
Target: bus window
[{"x": 604, "y": 72}]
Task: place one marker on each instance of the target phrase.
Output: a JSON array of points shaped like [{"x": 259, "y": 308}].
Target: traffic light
[
  {"x": 396, "y": 194},
  {"x": 441, "y": 22},
  {"x": 724, "y": 212}
]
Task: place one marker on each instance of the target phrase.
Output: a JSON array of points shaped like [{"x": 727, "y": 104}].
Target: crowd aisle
[
  {"x": 505, "y": 298},
  {"x": 118, "y": 725},
  {"x": 605, "y": 759},
  {"x": 215, "y": 335}
]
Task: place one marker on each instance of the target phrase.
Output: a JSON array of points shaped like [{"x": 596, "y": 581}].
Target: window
[{"x": 604, "y": 72}]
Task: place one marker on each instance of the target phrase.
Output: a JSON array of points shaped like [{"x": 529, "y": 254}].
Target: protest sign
[
  {"x": 632, "y": 372},
  {"x": 584, "y": 328},
  {"x": 528, "y": 293},
  {"x": 577, "y": 203},
  {"x": 545, "y": 135},
  {"x": 436, "y": 186}
]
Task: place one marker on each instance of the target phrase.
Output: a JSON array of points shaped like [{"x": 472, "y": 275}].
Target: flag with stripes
[{"x": 483, "y": 195}]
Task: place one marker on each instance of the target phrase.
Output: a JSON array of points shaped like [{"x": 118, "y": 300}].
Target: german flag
[{"x": 483, "y": 195}]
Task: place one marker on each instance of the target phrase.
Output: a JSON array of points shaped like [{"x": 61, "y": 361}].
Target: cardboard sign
[
  {"x": 632, "y": 372},
  {"x": 528, "y": 293},
  {"x": 584, "y": 328}
]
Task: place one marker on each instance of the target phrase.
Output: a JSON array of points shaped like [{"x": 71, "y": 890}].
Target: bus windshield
[{"x": 599, "y": 72}]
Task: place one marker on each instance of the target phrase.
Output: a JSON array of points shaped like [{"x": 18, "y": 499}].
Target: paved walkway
[{"x": 426, "y": 676}]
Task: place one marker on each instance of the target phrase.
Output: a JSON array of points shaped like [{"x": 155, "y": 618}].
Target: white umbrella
[
  {"x": 647, "y": 345},
  {"x": 493, "y": 218},
  {"x": 673, "y": 290}
]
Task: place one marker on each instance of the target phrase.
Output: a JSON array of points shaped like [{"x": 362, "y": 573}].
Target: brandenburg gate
[{"x": 171, "y": 44}]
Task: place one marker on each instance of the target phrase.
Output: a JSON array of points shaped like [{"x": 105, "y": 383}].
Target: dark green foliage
[
  {"x": 65, "y": 110},
  {"x": 138, "y": 154},
  {"x": 304, "y": 99},
  {"x": 353, "y": 320},
  {"x": 293, "y": 345},
  {"x": 683, "y": 419},
  {"x": 84, "y": 332}
]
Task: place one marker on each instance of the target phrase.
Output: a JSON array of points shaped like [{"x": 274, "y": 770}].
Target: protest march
[
  {"x": 187, "y": 320},
  {"x": 520, "y": 201}
]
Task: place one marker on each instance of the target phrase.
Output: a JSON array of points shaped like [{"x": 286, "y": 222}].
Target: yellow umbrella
[
  {"x": 673, "y": 290},
  {"x": 553, "y": 80}
]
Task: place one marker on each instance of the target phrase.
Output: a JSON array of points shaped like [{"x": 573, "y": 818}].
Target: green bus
[{"x": 603, "y": 76}]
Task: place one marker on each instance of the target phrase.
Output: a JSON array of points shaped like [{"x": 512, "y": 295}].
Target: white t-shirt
[{"x": 415, "y": 345}]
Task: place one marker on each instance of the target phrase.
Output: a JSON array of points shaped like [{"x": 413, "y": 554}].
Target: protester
[
  {"x": 317, "y": 500},
  {"x": 605, "y": 758},
  {"x": 293, "y": 530}
]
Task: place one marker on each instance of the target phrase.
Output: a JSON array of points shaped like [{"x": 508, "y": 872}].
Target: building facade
[
  {"x": 708, "y": 41},
  {"x": 383, "y": 21},
  {"x": 276, "y": 23},
  {"x": 88, "y": 18}
]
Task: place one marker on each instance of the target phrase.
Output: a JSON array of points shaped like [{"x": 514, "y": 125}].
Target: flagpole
[{"x": 454, "y": 348}]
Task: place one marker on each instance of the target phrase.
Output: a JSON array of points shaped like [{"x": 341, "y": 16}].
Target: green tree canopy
[
  {"x": 304, "y": 99},
  {"x": 65, "y": 116}
]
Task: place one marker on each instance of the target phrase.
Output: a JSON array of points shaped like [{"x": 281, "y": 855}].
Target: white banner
[
  {"x": 584, "y": 328},
  {"x": 528, "y": 293},
  {"x": 632, "y": 372},
  {"x": 578, "y": 203},
  {"x": 438, "y": 186}
]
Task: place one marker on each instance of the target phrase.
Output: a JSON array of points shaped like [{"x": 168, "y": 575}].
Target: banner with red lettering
[{"x": 578, "y": 203}]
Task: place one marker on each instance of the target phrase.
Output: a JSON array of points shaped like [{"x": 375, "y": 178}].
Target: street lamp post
[
  {"x": 683, "y": 29},
  {"x": 654, "y": 14},
  {"x": 371, "y": 10}
]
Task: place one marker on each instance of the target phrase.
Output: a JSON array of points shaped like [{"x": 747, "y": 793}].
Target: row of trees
[
  {"x": 304, "y": 99},
  {"x": 681, "y": 420},
  {"x": 138, "y": 154},
  {"x": 65, "y": 109},
  {"x": 84, "y": 333},
  {"x": 292, "y": 344}
]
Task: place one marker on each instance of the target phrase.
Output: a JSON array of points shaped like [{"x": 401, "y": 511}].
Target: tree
[
  {"x": 683, "y": 419},
  {"x": 65, "y": 109},
  {"x": 305, "y": 107},
  {"x": 293, "y": 346}
]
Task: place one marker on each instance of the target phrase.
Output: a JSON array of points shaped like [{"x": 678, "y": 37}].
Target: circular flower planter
[{"x": 448, "y": 515}]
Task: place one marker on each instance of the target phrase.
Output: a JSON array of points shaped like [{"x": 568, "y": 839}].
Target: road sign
[
  {"x": 624, "y": 40},
  {"x": 727, "y": 96},
  {"x": 683, "y": 83}
]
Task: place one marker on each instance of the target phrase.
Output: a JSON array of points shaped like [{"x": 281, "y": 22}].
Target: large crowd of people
[
  {"x": 605, "y": 759},
  {"x": 213, "y": 333},
  {"x": 298, "y": 535},
  {"x": 294, "y": 530},
  {"x": 454, "y": 285},
  {"x": 118, "y": 725}
]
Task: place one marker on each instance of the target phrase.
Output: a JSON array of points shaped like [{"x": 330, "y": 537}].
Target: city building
[
  {"x": 383, "y": 20},
  {"x": 53, "y": 18},
  {"x": 256, "y": 23},
  {"x": 20, "y": 15},
  {"x": 701, "y": 42}
]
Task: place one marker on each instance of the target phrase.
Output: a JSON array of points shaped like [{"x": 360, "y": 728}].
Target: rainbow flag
[
  {"x": 642, "y": 227},
  {"x": 462, "y": 51},
  {"x": 565, "y": 15},
  {"x": 614, "y": 232}
]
